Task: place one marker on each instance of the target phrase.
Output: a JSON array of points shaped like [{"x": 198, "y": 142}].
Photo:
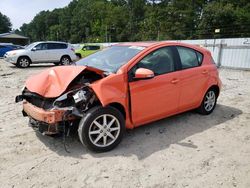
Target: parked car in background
[
  {"x": 87, "y": 50},
  {"x": 42, "y": 52},
  {"x": 124, "y": 86},
  {"x": 5, "y": 47}
]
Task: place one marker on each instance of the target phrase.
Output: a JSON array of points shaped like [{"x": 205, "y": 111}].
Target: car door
[
  {"x": 40, "y": 53},
  {"x": 157, "y": 97},
  {"x": 56, "y": 51},
  {"x": 193, "y": 77}
]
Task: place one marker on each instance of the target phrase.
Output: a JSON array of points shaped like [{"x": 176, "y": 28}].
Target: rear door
[
  {"x": 193, "y": 77},
  {"x": 56, "y": 51},
  {"x": 157, "y": 97}
]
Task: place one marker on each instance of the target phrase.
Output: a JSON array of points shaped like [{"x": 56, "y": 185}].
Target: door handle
[
  {"x": 204, "y": 71},
  {"x": 174, "y": 81}
]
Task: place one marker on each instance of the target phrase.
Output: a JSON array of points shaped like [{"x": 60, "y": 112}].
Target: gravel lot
[{"x": 187, "y": 150}]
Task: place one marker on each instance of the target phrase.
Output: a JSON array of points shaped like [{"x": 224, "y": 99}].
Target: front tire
[
  {"x": 23, "y": 62},
  {"x": 101, "y": 129},
  {"x": 208, "y": 103}
]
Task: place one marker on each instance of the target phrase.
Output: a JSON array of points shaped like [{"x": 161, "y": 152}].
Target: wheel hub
[
  {"x": 104, "y": 130},
  {"x": 209, "y": 101}
]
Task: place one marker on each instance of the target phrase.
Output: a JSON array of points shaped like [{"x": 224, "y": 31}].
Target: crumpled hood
[{"x": 54, "y": 81}]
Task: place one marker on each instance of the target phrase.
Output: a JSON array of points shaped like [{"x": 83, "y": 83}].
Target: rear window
[
  {"x": 189, "y": 57},
  {"x": 200, "y": 57},
  {"x": 54, "y": 46}
]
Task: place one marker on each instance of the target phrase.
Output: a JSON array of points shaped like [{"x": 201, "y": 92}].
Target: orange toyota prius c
[{"x": 124, "y": 86}]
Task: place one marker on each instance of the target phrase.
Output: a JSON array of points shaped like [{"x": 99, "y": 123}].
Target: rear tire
[
  {"x": 65, "y": 60},
  {"x": 208, "y": 103},
  {"x": 101, "y": 129},
  {"x": 23, "y": 62}
]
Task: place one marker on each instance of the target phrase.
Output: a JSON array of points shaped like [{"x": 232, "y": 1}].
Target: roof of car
[
  {"x": 6, "y": 43},
  {"x": 153, "y": 43},
  {"x": 142, "y": 44},
  {"x": 51, "y": 42}
]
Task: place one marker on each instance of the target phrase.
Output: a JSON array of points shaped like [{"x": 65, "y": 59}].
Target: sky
[{"x": 23, "y": 11}]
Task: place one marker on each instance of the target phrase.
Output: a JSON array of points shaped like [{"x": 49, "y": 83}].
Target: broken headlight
[
  {"x": 72, "y": 98},
  {"x": 80, "y": 96}
]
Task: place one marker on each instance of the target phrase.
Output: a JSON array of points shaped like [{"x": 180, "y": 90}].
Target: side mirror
[
  {"x": 142, "y": 74},
  {"x": 33, "y": 49}
]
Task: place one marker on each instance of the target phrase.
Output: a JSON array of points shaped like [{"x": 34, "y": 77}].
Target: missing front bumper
[
  {"x": 47, "y": 116},
  {"x": 44, "y": 128}
]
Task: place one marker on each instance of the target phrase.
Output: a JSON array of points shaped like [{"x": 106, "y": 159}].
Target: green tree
[
  {"x": 5, "y": 24},
  {"x": 136, "y": 20},
  {"x": 232, "y": 19}
]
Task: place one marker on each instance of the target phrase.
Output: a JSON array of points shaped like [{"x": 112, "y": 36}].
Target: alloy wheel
[
  {"x": 104, "y": 130},
  {"x": 24, "y": 62},
  {"x": 65, "y": 61},
  {"x": 210, "y": 99}
]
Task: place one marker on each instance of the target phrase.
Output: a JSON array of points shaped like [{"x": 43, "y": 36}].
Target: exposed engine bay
[{"x": 73, "y": 103}]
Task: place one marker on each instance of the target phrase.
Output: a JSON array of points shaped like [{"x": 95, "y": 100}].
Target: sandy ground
[{"x": 187, "y": 150}]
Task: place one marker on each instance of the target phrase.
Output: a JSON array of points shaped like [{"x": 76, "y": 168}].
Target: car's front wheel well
[
  {"x": 119, "y": 107},
  {"x": 66, "y": 56},
  {"x": 216, "y": 89}
]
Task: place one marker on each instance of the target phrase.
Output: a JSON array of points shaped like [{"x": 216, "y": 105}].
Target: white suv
[{"x": 42, "y": 52}]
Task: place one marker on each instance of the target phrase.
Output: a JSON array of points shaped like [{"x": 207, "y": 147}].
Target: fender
[
  {"x": 113, "y": 89},
  {"x": 213, "y": 81}
]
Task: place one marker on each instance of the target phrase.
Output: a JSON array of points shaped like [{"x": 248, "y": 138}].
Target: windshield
[{"x": 110, "y": 59}]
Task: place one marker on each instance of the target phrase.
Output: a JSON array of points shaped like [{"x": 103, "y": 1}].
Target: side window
[
  {"x": 88, "y": 47},
  {"x": 199, "y": 57},
  {"x": 56, "y": 46},
  {"x": 51, "y": 46},
  {"x": 91, "y": 47},
  {"x": 189, "y": 58},
  {"x": 160, "y": 61},
  {"x": 62, "y": 46},
  {"x": 42, "y": 46},
  {"x": 94, "y": 47}
]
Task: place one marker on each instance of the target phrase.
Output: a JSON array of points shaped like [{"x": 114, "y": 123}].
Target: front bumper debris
[
  {"x": 19, "y": 98},
  {"x": 48, "y": 116},
  {"x": 44, "y": 128}
]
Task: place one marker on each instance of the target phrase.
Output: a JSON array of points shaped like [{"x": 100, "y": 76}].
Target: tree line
[
  {"x": 141, "y": 20},
  {"x": 5, "y": 24}
]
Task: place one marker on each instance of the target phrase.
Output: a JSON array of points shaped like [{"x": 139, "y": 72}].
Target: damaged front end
[{"x": 50, "y": 115}]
